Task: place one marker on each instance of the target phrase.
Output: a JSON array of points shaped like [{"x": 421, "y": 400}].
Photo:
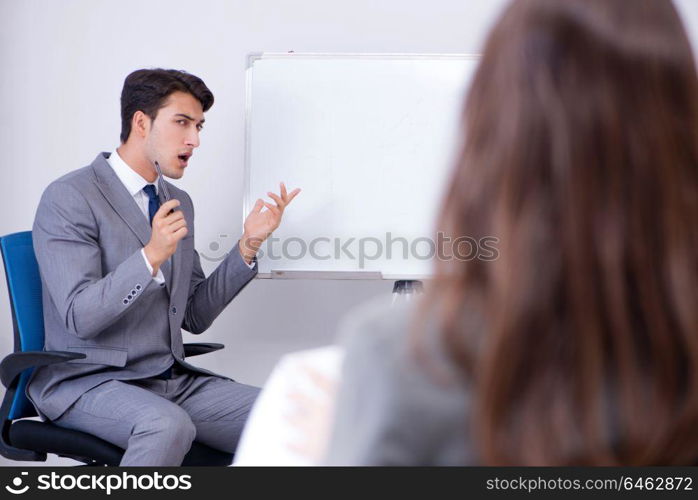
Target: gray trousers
[{"x": 157, "y": 420}]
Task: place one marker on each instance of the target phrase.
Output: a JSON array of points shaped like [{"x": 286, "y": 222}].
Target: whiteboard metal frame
[{"x": 246, "y": 201}]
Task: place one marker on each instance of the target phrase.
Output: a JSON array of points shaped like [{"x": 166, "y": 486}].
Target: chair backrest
[{"x": 24, "y": 290}]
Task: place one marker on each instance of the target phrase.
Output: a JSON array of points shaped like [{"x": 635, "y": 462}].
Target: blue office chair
[{"x": 32, "y": 440}]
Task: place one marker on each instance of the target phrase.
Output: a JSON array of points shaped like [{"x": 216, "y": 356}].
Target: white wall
[{"x": 62, "y": 67}]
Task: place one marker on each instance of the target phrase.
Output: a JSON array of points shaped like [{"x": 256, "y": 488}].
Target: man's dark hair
[{"x": 148, "y": 89}]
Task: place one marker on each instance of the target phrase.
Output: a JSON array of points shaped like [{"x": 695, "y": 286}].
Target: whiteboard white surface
[{"x": 370, "y": 140}]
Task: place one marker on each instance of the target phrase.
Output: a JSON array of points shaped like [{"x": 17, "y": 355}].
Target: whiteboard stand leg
[{"x": 405, "y": 290}]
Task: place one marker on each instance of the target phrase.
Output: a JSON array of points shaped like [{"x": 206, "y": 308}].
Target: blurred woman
[{"x": 579, "y": 343}]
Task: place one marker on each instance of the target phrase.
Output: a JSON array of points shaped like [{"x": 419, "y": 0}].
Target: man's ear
[{"x": 140, "y": 123}]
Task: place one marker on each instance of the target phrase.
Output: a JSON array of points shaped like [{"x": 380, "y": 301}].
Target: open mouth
[{"x": 183, "y": 159}]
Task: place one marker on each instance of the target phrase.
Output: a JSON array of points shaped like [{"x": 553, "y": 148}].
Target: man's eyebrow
[{"x": 189, "y": 117}]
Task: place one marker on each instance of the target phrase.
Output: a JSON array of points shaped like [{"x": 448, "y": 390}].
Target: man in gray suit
[{"x": 121, "y": 278}]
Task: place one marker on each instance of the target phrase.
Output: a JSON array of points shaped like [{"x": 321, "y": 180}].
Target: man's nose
[{"x": 192, "y": 139}]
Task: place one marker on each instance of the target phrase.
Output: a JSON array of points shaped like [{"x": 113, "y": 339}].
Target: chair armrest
[
  {"x": 195, "y": 349},
  {"x": 17, "y": 362}
]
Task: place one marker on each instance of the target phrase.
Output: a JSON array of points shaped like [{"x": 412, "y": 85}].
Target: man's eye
[
  {"x": 182, "y": 122},
  {"x": 200, "y": 127}
]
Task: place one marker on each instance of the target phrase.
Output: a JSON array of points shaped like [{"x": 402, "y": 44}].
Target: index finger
[
  {"x": 166, "y": 207},
  {"x": 293, "y": 195}
]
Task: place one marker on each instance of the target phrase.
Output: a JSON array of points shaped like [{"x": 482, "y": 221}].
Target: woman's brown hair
[{"x": 581, "y": 156}]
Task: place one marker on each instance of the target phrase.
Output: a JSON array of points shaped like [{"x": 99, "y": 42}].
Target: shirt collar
[{"x": 128, "y": 177}]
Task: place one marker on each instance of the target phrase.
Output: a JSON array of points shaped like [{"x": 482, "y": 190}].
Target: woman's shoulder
[
  {"x": 380, "y": 320},
  {"x": 421, "y": 417},
  {"x": 383, "y": 327}
]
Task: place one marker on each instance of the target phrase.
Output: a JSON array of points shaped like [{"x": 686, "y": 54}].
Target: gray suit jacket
[{"x": 98, "y": 296}]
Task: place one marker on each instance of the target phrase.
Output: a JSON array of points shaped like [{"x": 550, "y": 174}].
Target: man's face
[{"x": 174, "y": 134}]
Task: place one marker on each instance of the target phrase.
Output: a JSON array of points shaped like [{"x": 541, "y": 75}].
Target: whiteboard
[{"x": 370, "y": 139}]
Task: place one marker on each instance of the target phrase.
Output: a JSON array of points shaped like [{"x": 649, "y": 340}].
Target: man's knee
[{"x": 173, "y": 425}]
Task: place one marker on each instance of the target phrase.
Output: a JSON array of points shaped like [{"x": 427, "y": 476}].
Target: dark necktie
[{"x": 153, "y": 201}]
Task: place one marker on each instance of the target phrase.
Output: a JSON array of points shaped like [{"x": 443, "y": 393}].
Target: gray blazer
[
  {"x": 390, "y": 411},
  {"x": 98, "y": 296}
]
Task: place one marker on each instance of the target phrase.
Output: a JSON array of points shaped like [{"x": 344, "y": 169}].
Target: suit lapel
[
  {"x": 176, "y": 266},
  {"x": 172, "y": 266},
  {"x": 120, "y": 199},
  {"x": 166, "y": 269}
]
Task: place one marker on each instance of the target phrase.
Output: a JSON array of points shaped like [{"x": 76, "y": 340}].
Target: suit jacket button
[
  {"x": 125, "y": 301},
  {"x": 174, "y": 310}
]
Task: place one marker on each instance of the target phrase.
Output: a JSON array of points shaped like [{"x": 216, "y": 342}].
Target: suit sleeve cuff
[{"x": 252, "y": 264}]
